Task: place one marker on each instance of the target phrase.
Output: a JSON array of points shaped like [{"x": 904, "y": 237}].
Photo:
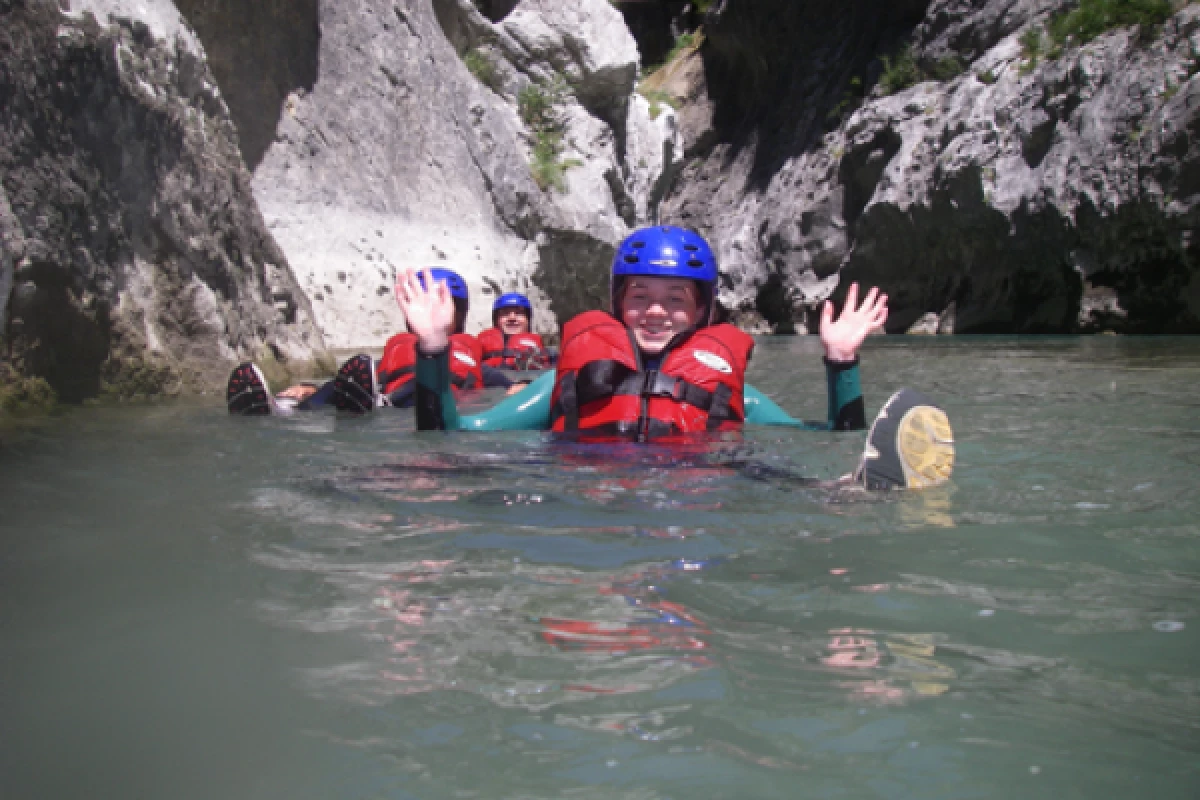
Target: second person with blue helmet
[{"x": 658, "y": 366}]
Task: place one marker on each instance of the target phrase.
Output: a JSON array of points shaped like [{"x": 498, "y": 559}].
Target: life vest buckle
[{"x": 656, "y": 384}]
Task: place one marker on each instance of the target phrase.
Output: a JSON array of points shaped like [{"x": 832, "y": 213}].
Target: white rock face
[
  {"x": 586, "y": 41},
  {"x": 160, "y": 16},
  {"x": 654, "y": 147},
  {"x": 347, "y": 260},
  {"x": 399, "y": 157}
]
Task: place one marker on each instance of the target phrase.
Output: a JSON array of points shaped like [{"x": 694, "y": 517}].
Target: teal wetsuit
[{"x": 529, "y": 409}]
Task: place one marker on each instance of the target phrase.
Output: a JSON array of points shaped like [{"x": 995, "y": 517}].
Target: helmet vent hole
[
  {"x": 695, "y": 262},
  {"x": 691, "y": 247},
  {"x": 631, "y": 259},
  {"x": 639, "y": 245}
]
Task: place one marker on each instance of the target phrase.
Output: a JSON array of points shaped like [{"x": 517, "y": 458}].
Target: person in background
[
  {"x": 509, "y": 344},
  {"x": 362, "y": 385}
]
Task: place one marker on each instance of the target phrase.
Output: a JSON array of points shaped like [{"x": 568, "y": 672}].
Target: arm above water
[
  {"x": 430, "y": 314},
  {"x": 436, "y": 409},
  {"x": 846, "y": 410}
]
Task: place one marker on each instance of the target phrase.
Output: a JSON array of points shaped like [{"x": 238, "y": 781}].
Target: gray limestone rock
[
  {"x": 141, "y": 261},
  {"x": 394, "y": 155},
  {"x": 11, "y": 250},
  {"x": 1001, "y": 189}
]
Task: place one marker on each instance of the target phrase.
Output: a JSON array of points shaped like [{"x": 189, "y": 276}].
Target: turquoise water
[{"x": 193, "y": 606}]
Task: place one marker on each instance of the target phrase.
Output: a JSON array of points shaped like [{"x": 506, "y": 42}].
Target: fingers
[
  {"x": 868, "y": 303},
  {"x": 404, "y": 281},
  {"x": 427, "y": 284},
  {"x": 826, "y": 313},
  {"x": 851, "y": 303},
  {"x": 879, "y": 311}
]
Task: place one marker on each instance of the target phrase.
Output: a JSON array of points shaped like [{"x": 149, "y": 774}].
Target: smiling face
[
  {"x": 656, "y": 309},
  {"x": 512, "y": 321}
]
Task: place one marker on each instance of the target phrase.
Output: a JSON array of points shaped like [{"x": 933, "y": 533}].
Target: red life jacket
[
  {"x": 600, "y": 389},
  {"x": 524, "y": 348},
  {"x": 399, "y": 362}
]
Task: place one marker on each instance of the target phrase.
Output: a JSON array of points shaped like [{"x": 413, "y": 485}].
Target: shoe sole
[
  {"x": 910, "y": 445},
  {"x": 349, "y": 392},
  {"x": 247, "y": 393}
]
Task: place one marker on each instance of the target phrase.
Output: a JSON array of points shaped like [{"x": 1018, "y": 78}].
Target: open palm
[
  {"x": 428, "y": 308},
  {"x": 842, "y": 337}
]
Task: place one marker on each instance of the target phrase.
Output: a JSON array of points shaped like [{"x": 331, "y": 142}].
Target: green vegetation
[
  {"x": 538, "y": 106},
  {"x": 548, "y": 167},
  {"x": 852, "y": 98},
  {"x": 22, "y": 395},
  {"x": 1095, "y": 17},
  {"x": 683, "y": 42},
  {"x": 132, "y": 377},
  {"x": 484, "y": 69},
  {"x": 903, "y": 71},
  {"x": 986, "y": 77},
  {"x": 1031, "y": 49},
  {"x": 657, "y": 99},
  {"x": 900, "y": 72},
  {"x": 1091, "y": 18},
  {"x": 947, "y": 69}
]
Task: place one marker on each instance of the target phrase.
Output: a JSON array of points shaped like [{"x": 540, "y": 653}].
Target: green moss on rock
[
  {"x": 20, "y": 394},
  {"x": 129, "y": 379}
]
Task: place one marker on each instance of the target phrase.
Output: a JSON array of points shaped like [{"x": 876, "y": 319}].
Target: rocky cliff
[
  {"x": 135, "y": 259},
  {"x": 989, "y": 172},
  {"x": 406, "y": 146},
  {"x": 187, "y": 183}
]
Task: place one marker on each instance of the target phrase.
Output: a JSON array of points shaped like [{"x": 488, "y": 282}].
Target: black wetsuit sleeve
[
  {"x": 493, "y": 378},
  {"x": 403, "y": 397},
  {"x": 436, "y": 410},
  {"x": 319, "y": 398}
]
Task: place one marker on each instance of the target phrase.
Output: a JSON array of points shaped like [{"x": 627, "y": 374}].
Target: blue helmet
[
  {"x": 512, "y": 300},
  {"x": 458, "y": 291},
  {"x": 454, "y": 282},
  {"x": 666, "y": 251}
]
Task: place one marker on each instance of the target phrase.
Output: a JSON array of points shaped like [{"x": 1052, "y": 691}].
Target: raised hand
[
  {"x": 843, "y": 337},
  {"x": 428, "y": 308}
]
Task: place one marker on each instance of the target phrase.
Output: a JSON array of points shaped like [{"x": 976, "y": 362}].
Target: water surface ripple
[{"x": 193, "y": 606}]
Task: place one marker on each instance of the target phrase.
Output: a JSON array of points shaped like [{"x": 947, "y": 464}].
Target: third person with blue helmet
[
  {"x": 509, "y": 343},
  {"x": 658, "y": 366}
]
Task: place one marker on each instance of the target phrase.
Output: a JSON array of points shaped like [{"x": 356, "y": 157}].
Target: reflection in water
[
  {"x": 510, "y": 617},
  {"x": 561, "y": 638}
]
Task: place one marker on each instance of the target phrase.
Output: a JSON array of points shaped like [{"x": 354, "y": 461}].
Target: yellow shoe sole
[{"x": 925, "y": 443}]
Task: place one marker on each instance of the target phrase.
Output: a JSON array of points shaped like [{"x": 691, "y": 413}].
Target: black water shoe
[
  {"x": 910, "y": 446},
  {"x": 355, "y": 387},
  {"x": 247, "y": 392}
]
